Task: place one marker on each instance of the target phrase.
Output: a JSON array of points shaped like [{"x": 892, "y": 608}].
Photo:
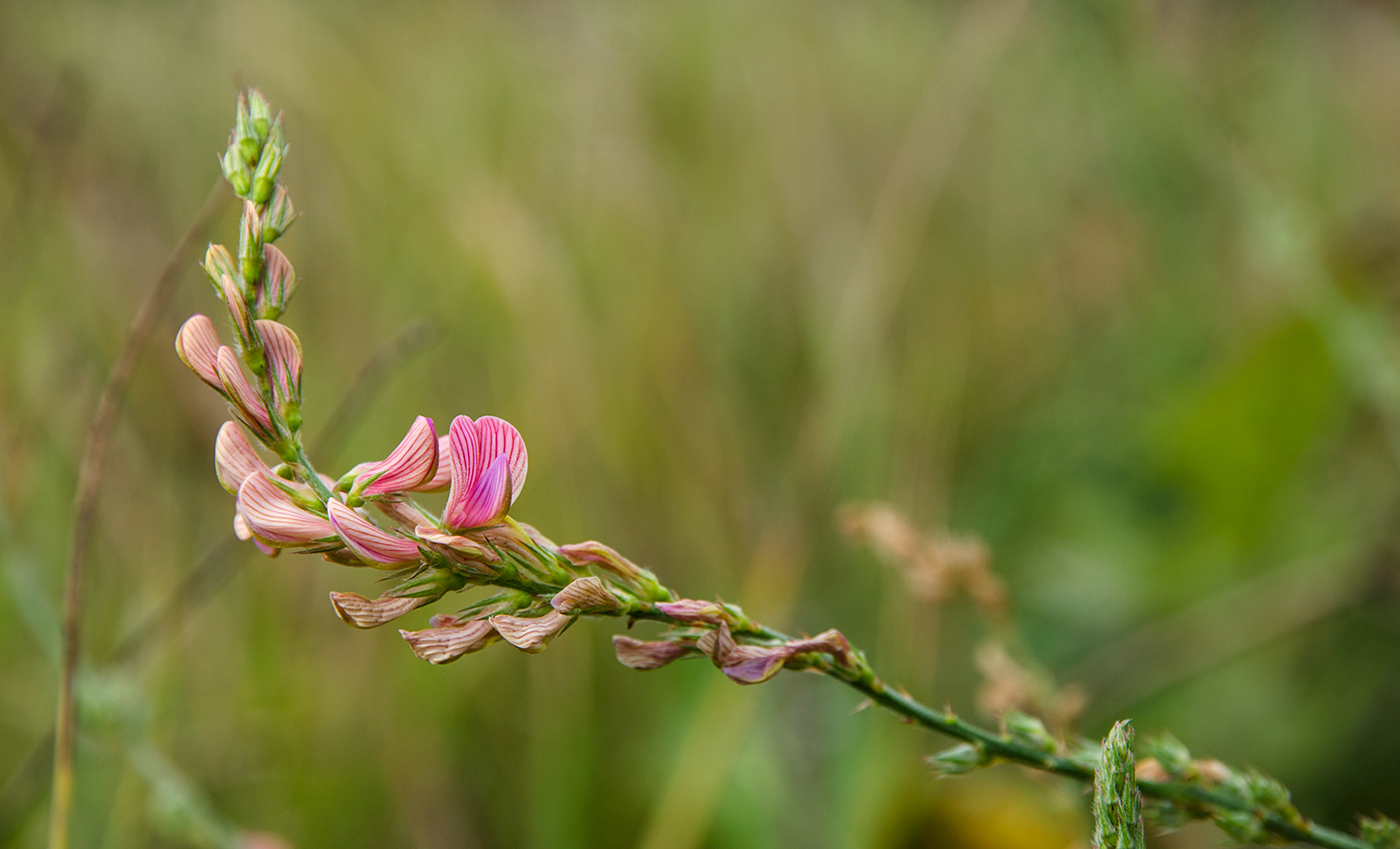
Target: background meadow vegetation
[{"x": 1111, "y": 285}]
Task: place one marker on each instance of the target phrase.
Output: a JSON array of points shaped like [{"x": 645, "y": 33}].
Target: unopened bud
[
  {"x": 265, "y": 177},
  {"x": 218, "y": 264},
  {"x": 1117, "y": 803},
  {"x": 959, "y": 760},
  {"x": 250, "y": 254},
  {"x": 278, "y": 283},
  {"x": 279, "y": 214},
  {"x": 246, "y": 138},
  {"x": 1028, "y": 731},
  {"x": 236, "y": 171},
  {"x": 259, "y": 114}
]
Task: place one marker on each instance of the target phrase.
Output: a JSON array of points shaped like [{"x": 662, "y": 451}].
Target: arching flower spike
[{"x": 489, "y": 464}]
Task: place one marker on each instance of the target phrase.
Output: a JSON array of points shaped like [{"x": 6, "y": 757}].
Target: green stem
[{"x": 309, "y": 472}]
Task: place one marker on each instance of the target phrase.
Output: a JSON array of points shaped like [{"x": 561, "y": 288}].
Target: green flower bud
[
  {"x": 1244, "y": 827},
  {"x": 259, "y": 115},
  {"x": 250, "y": 252},
  {"x": 1117, "y": 803},
  {"x": 1381, "y": 832},
  {"x": 1174, "y": 757},
  {"x": 236, "y": 171},
  {"x": 960, "y": 759},
  {"x": 279, "y": 214},
  {"x": 1028, "y": 731},
  {"x": 265, "y": 177},
  {"x": 245, "y": 137}
]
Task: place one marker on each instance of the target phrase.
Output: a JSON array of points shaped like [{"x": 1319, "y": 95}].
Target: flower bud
[
  {"x": 236, "y": 171},
  {"x": 275, "y": 518},
  {"x": 241, "y": 316},
  {"x": 354, "y": 609},
  {"x": 958, "y": 760},
  {"x": 642, "y": 654},
  {"x": 197, "y": 343},
  {"x": 444, "y": 645},
  {"x": 278, "y": 284},
  {"x": 250, "y": 254},
  {"x": 531, "y": 634},
  {"x": 585, "y": 595},
  {"x": 282, "y": 353},
  {"x": 1117, "y": 803},
  {"x": 1028, "y": 731},
  {"x": 218, "y": 264},
  {"x": 246, "y": 137},
  {"x": 372, "y": 545},
  {"x": 234, "y": 458},
  {"x": 265, "y": 175},
  {"x": 1170, "y": 753},
  {"x": 279, "y": 214}
]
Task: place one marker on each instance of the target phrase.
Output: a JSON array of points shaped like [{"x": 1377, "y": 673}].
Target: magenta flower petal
[
  {"x": 496, "y": 437},
  {"x": 368, "y": 542},
  {"x": 411, "y": 464},
  {"x": 234, "y": 458},
  {"x": 488, "y": 468},
  {"x": 197, "y": 343},
  {"x": 241, "y": 394},
  {"x": 487, "y": 502},
  {"x": 274, "y": 518}
]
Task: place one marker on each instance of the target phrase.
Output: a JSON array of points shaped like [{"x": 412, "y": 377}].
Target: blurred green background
[{"x": 1111, "y": 285}]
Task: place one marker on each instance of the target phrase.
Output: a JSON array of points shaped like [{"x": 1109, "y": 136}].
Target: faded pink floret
[
  {"x": 274, "y": 518},
  {"x": 489, "y": 464},
  {"x": 369, "y": 543},
  {"x": 197, "y": 343},
  {"x": 234, "y": 457},
  {"x": 413, "y": 463}
]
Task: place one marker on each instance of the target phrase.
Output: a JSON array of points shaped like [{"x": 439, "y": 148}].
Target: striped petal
[
  {"x": 443, "y": 477},
  {"x": 411, "y": 464},
  {"x": 273, "y": 517},
  {"x": 444, "y": 645},
  {"x": 234, "y": 458},
  {"x": 238, "y": 310},
  {"x": 531, "y": 634},
  {"x": 241, "y": 394},
  {"x": 367, "y": 541},
  {"x": 496, "y": 437},
  {"x": 585, "y": 595},
  {"x": 197, "y": 343},
  {"x": 641, "y": 654},
  {"x": 283, "y": 351},
  {"x": 355, "y": 609}
]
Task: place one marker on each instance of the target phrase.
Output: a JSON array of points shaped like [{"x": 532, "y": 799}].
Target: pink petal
[
  {"x": 274, "y": 518},
  {"x": 530, "y": 634},
  {"x": 496, "y": 437},
  {"x": 367, "y": 541},
  {"x": 444, "y": 645},
  {"x": 241, "y": 393},
  {"x": 197, "y": 343},
  {"x": 443, "y": 477},
  {"x": 410, "y": 465},
  {"x": 234, "y": 458},
  {"x": 487, "y": 502},
  {"x": 355, "y": 609},
  {"x": 237, "y": 308},
  {"x": 283, "y": 351},
  {"x": 462, "y": 456}
]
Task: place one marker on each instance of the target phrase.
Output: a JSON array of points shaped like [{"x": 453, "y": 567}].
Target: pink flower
[
  {"x": 283, "y": 351},
  {"x": 275, "y": 518},
  {"x": 409, "y": 466},
  {"x": 489, "y": 464},
  {"x": 443, "y": 477},
  {"x": 197, "y": 343},
  {"x": 234, "y": 458},
  {"x": 369, "y": 543},
  {"x": 246, "y": 401}
]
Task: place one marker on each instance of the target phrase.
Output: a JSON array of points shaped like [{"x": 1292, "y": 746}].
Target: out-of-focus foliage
[{"x": 1112, "y": 285}]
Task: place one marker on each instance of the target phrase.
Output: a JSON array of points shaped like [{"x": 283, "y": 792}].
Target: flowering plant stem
[{"x": 542, "y": 588}]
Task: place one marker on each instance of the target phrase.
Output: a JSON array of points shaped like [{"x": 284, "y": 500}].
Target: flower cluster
[{"x": 369, "y": 516}]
